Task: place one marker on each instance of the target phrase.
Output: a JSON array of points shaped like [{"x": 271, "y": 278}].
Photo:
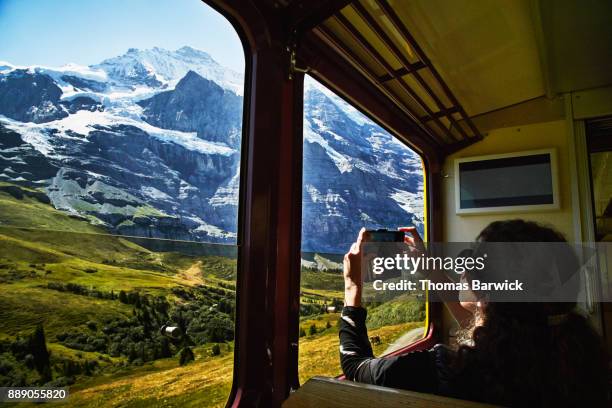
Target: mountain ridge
[{"x": 148, "y": 144}]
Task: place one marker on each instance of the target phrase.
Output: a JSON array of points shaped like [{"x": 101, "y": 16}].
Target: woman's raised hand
[
  {"x": 413, "y": 240},
  {"x": 352, "y": 273}
]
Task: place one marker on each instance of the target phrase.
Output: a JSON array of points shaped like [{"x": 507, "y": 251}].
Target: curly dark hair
[{"x": 516, "y": 357}]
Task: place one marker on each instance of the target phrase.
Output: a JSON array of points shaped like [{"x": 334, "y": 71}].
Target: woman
[{"x": 513, "y": 354}]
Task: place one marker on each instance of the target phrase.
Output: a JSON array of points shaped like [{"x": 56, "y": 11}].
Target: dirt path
[{"x": 193, "y": 274}]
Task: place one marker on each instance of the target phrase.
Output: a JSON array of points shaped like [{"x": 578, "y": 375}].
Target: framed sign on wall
[{"x": 511, "y": 182}]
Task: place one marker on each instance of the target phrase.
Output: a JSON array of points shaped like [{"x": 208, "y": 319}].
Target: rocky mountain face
[
  {"x": 197, "y": 105},
  {"x": 160, "y": 67},
  {"x": 148, "y": 144},
  {"x": 355, "y": 174},
  {"x": 30, "y": 97}
]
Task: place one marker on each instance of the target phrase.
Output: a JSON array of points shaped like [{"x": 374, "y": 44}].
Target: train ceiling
[{"x": 445, "y": 62}]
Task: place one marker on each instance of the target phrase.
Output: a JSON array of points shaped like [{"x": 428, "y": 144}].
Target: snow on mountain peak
[
  {"x": 311, "y": 86},
  {"x": 155, "y": 68},
  {"x": 168, "y": 67},
  {"x": 57, "y": 72},
  {"x": 6, "y": 66},
  {"x": 130, "y": 122},
  {"x": 190, "y": 52}
]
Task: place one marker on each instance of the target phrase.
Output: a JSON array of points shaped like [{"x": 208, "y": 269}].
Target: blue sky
[{"x": 56, "y": 32}]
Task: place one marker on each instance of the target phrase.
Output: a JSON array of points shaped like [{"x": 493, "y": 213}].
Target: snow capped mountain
[
  {"x": 195, "y": 105},
  {"x": 347, "y": 109},
  {"x": 5, "y": 66},
  {"x": 117, "y": 158},
  {"x": 160, "y": 67},
  {"x": 355, "y": 174},
  {"x": 147, "y": 144}
]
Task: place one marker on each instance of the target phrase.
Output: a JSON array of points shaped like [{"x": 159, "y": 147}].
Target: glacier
[{"x": 147, "y": 144}]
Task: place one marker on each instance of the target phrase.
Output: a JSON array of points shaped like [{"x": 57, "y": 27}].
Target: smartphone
[{"x": 383, "y": 235}]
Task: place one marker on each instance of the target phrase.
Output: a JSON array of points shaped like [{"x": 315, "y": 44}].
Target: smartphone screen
[{"x": 383, "y": 235}]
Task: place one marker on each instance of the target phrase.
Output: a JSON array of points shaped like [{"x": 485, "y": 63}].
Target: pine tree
[
  {"x": 145, "y": 319},
  {"x": 38, "y": 347},
  {"x": 132, "y": 355},
  {"x": 186, "y": 356},
  {"x": 165, "y": 351},
  {"x": 216, "y": 350}
]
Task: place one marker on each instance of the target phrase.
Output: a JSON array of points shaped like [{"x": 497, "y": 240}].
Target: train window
[
  {"x": 355, "y": 174},
  {"x": 600, "y": 158},
  {"x": 120, "y": 135},
  {"x": 601, "y": 178}
]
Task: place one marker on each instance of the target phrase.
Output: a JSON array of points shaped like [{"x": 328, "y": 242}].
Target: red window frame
[{"x": 269, "y": 232}]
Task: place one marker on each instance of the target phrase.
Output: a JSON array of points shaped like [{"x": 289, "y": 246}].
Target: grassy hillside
[
  {"x": 164, "y": 383},
  {"x": 207, "y": 382},
  {"x": 99, "y": 299},
  {"x": 98, "y": 302},
  {"x": 396, "y": 311}
]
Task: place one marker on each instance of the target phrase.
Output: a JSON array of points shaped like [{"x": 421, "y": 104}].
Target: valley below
[{"x": 100, "y": 301}]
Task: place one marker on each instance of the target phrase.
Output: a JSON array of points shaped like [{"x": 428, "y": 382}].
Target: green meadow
[{"x": 83, "y": 309}]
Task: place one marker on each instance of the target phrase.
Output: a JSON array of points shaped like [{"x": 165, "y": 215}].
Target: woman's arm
[
  {"x": 415, "y": 371},
  {"x": 352, "y": 273},
  {"x": 355, "y": 348}
]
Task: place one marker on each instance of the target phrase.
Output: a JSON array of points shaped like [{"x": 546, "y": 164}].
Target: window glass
[
  {"x": 599, "y": 137},
  {"x": 355, "y": 174},
  {"x": 120, "y": 133},
  {"x": 601, "y": 180}
]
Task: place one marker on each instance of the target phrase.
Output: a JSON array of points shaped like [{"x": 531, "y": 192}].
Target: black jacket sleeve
[{"x": 414, "y": 371}]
